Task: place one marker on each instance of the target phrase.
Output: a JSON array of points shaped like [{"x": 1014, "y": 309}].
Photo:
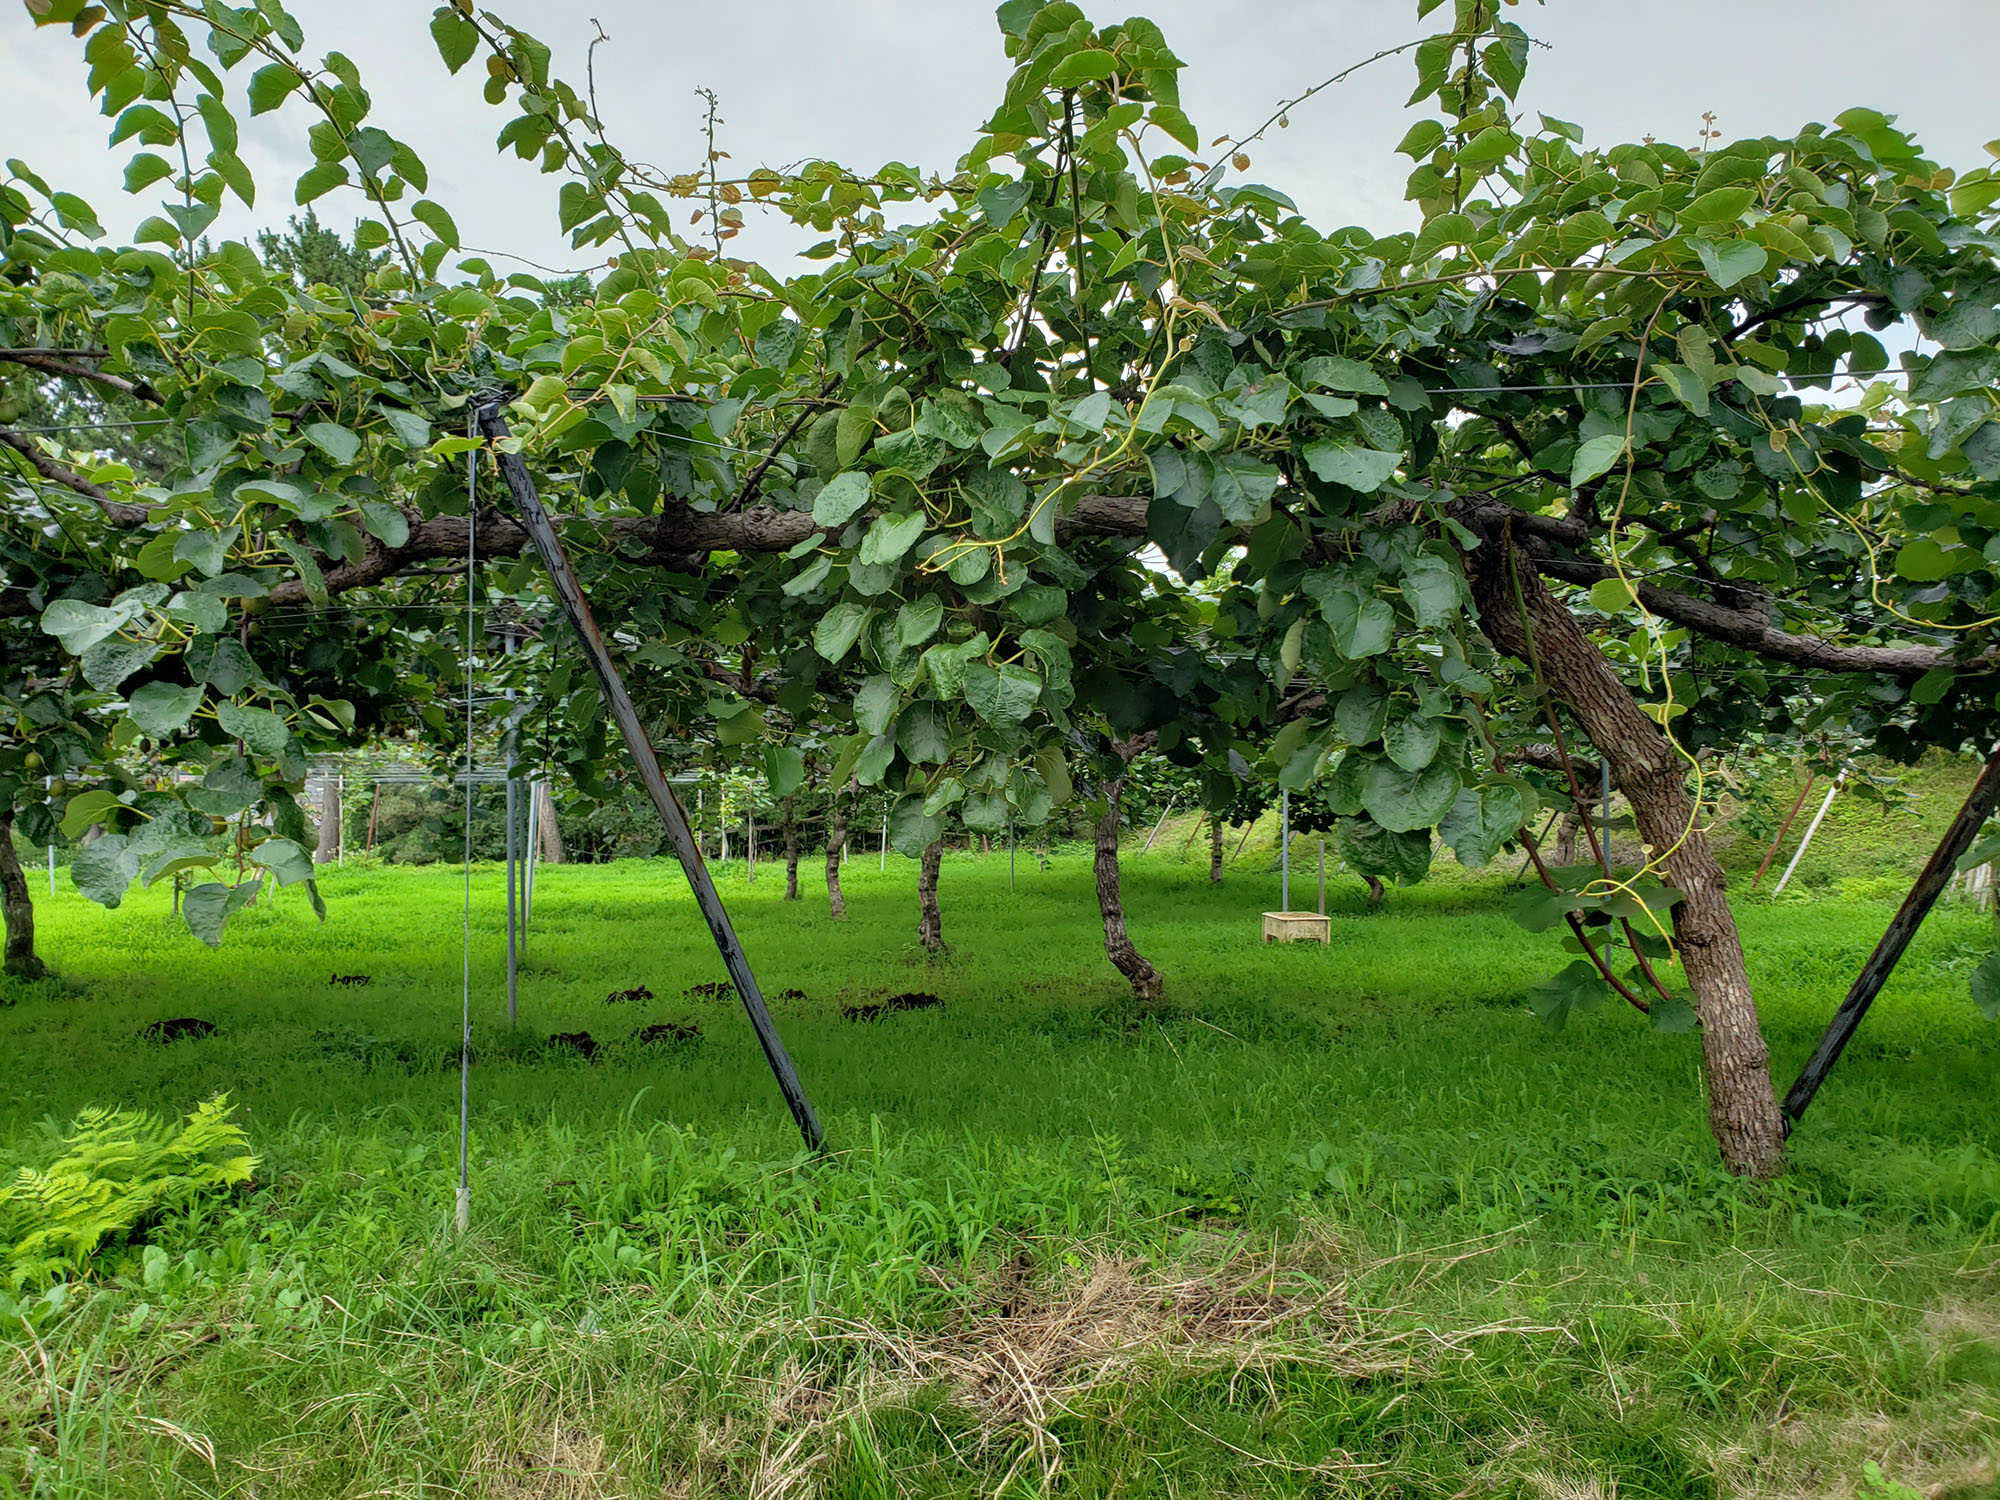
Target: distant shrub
[{"x": 117, "y": 1170}]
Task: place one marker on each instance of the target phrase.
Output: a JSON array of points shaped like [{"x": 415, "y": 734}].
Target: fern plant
[{"x": 117, "y": 1170}]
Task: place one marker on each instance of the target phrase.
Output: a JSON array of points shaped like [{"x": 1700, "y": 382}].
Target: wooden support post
[
  {"x": 1784, "y": 828},
  {"x": 535, "y": 519},
  {"x": 1979, "y": 805},
  {"x": 1811, "y": 829}
]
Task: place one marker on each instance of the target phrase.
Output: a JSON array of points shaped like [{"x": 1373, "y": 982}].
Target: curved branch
[
  {"x": 64, "y": 362},
  {"x": 118, "y": 512}
]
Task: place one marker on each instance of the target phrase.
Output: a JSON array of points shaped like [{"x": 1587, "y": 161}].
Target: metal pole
[
  {"x": 536, "y": 521},
  {"x": 513, "y": 865},
  {"x": 1285, "y": 851},
  {"x": 534, "y": 845},
  {"x": 1322, "y": 875},
  {"x": 48, "y": 783},
  {"x": 1784, "y": 828},
  {"x": 1010, "y": 854},
  {"x": 340, "y": 833},
  {"x": 1604, "y": 818},
  {"x": 1161, "y": 824},
  {"x": 885, "y": 842},
  {"x": 1811, "y": 829}
]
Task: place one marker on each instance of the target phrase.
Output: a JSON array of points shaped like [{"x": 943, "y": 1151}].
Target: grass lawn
[{"x": 1339, "y": 1220}]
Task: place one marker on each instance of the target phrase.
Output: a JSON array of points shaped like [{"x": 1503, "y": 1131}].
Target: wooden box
[{"x": 1297, "y": 927}]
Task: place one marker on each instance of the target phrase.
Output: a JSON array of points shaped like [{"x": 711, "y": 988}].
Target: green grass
[{"x": 1339, "y": 1220}]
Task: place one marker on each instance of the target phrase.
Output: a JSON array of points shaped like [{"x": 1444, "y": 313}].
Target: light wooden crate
[{"x": 1297, "y": 927}]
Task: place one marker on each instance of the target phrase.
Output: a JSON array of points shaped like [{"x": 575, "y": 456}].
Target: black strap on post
[
  {"x": 535, "y": 519},
  {"x": 1979, "y": 805}
]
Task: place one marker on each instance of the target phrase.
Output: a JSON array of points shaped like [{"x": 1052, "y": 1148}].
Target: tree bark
[
  {"x": 328, "y": 850},
  {"x": 1215, "y": 851},
  {"x": 930, "y": 923},
  {"x": 791, "y": 852},
  {"x": 1566, "y": 832},
  {"x": 1118, "y": 946},
  {"x": 1742, "y": 1108},
  {"x": 18, "y": 908},
  {"x": 836, "y": 841},
  {"x": 547, "y": 833}
]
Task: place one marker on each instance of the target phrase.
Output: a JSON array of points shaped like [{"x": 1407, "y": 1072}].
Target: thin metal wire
[{"x": 463, "y": 1217}]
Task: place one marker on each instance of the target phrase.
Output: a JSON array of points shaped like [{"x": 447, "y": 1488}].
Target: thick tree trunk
[
  {"x": 547, "y": 833},
  {"x": 329, "y": 822},
  {"x": 930, "y": 923},
  {"x": 1118, "y": 947},
  {"x": 791, "y": 853},
  {"x": 18, "y": 908},
  {"x": 1742, "y": 1108},
  {"x": 1215, "y": 851},
  {"x": 1375, "y": 891},
  {"x": 836, "y": 843}
]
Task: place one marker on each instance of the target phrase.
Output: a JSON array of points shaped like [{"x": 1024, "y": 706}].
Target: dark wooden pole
[
  {"x": 535, "y": 520},
  {"x": 1979, "y": 805}
]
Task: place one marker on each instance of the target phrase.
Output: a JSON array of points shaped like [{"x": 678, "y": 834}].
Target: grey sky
[{"x": 864, "y": 81}]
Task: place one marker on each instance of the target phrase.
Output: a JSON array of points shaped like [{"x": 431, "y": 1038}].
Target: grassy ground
[{"x": 1341, "y": 1220}]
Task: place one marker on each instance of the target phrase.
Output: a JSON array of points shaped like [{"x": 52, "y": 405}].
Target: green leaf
[
  {"x": 875, "y": 704},
  {"x": 263, "y": 731},
  {"x": 270, "y": 84},
  {"x": 1374, "y": 850},
  {"x": 784, "y": 769},
  {"x": 1729, "y": 261},
  {"x": 1086, "y": 66},
  {"x": 387, "y": 524},
  {"x": 889, "y": 538},
  {"x": 145, "y": 169},
  {"x": 911, "y": 830},
  {"x": 842, "y": 496},
  {"x": 1363, "y": 469},
  {"x": 103, "y": 869},
  {"x": 335, "y": 441},
  {"x": 1596, "y": 457},
  {"x": 456, "y": 37},
  {"x": 1489, "y": 148},
  {"x": 838, "y": 629},
  {"x": 1403, "y": 801},
  {"x": 437, "y": 221},
  {"x": 284, "y": 859},
  {"x": 918, "y": 621},
  {"x": 1688, "y": 387},
  {"x": 809, "y": 577},
  {"x": 318, "y": 181},
  {"x": 1480, "y": 821},
  {"x": 1986, "y": 987},
  {"x": 208, "y": 907},
  {"x": 1333, "y": 372},
  {"x": 923, "y": 734},
  {"x": 1672, "y": 1015},
  {"x": 1362, "y": 624},
  {"x": 1176, "y": 124},
  {"x": 1003, "y": 696},
  {"x": 1576, "y": 988},
  {"x": 1612, "y": 595},
  {"x": 207, "y": 550},
  {"x": 1718, "y": 206},
  {"x": 1423, "y": 138},
  {"x": 1412, "y": 743},
  {"x": 109, "y": 663},
  {"x": 160, "y": 709},
  {"x": 80, "y": 626},
  {"x": 86, "y": 808}
]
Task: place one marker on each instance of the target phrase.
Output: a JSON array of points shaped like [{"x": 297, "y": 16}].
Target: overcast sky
[{"x": 866, "y": 81}]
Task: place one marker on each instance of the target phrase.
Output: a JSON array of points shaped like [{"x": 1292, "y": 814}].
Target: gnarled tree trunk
[
  {"x": 18, "y": 908},
  {"x": 791, "y": 853},
  {"x": 1118, "y": 946},
  {"x": 1567, "y": 829},
  {"x": 328, "y": 850},
  {"x": 547, "y": 832},
  {"x": 1742, "y": 1109},
  {"x": 930, "y": 923},
  {"x": 836, "y": 841},
  {"x": 1215, "y": 851}
]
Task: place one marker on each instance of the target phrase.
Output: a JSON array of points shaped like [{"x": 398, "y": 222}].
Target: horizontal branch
[
  {"x": 118, "y": 512},
  {"x": 63, "y": 362}
]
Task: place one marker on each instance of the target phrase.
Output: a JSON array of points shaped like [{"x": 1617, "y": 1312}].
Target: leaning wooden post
[
  {"x": 535, "y": 519},
  {"x": 1979, "y": 805},
  {"x": 1784, "y": 828}
]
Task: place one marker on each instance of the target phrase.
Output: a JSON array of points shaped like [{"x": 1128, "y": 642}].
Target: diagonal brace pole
[
  {"x": 1979, "y": 805},
  {"x": 535, "y": 520}
]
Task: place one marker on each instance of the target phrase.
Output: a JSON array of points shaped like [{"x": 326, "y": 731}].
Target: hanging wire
[{"x": 463, "y": 1218}]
